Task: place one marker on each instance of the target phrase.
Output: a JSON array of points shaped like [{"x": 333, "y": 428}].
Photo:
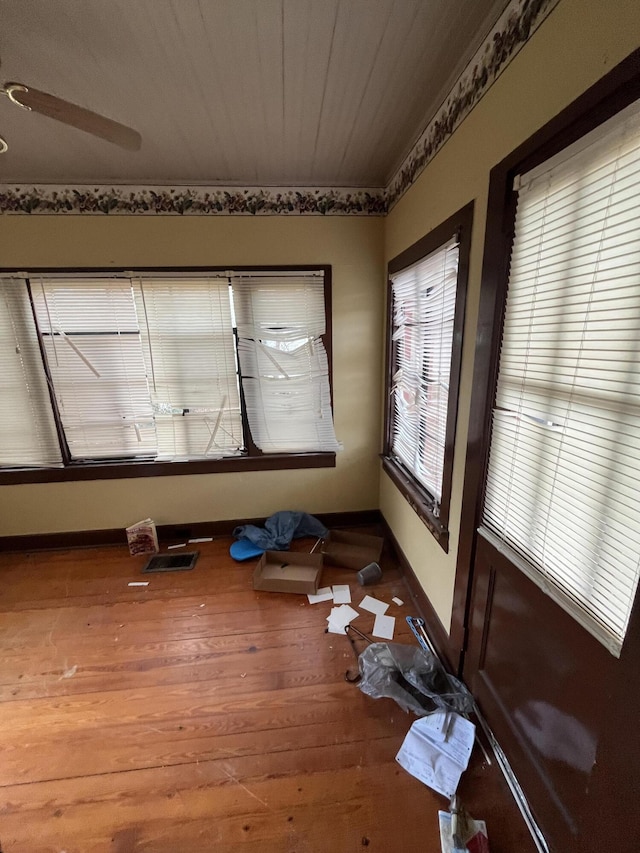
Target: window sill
[
  {"x": 417, "y": 499},
  {"x": 126, "y": 470}
]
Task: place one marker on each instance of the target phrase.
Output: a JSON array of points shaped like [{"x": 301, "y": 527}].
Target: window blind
[
  {"x": 563, "y": 485},
  {"x": 146, "y": 366},
  {"x": 285, "y": 371},
  {"x": 189, "y": 352},
  {"x": 93, "y": 348},
  {"x": 27, "y": 428},
  {"x": 424, "y": 299}
]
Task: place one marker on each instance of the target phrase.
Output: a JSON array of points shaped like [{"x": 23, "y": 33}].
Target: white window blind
[
  {"x": 284, "y": 366},
  {"x": 189, "y": 351},
  {"x": 146, "y": 366},
  {"x": 424, "y": 300},
  {"x": 563, "y": 484},
  {"x": 92, "y": 342},
  {"x": 27, "y": 428}
]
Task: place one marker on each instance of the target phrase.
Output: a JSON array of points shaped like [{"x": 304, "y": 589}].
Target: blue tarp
[{"x": 279, "y": 529}]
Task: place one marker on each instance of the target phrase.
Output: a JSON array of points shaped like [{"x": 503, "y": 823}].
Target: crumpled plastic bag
[
  {"x": 413, "y": 677},
  {"x": 280, "y": 528}
]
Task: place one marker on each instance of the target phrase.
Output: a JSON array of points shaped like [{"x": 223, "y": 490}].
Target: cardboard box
[
  {"x": 351, "y": 550},
  {"x": 288, "y": 571}
]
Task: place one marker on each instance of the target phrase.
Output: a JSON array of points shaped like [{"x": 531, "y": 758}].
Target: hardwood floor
[{"x": 198, "y": 715}]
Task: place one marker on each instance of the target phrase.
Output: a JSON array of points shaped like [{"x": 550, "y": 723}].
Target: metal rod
[{"x": 359, "y": 633}]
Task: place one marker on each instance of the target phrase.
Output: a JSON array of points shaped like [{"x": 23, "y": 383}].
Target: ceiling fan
[{"x": 68, "y": 113}]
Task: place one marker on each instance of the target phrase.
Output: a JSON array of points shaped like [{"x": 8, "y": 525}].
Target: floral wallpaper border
[
  {"x": 513, "y": 29},
  {"x": 515, "y": 26},
  {"x": 243, "y": 201}
]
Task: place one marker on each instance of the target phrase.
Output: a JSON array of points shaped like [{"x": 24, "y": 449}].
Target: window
[
  {"x": 427, "y": 287},
  {"x": 28, "y": 427},
  {"x": 112, "y": 370},
  {"x": 563, "y": 485},
  {"x": 284, "y": 363}
]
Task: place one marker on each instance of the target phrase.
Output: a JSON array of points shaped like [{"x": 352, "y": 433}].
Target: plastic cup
[{"x": 370, "y": 574}]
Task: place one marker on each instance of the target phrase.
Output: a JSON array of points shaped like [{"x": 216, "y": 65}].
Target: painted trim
[
  {"x": 436, "y": 631},
  {"x": 514, "y": 28},
  {"x": 168, "y": 532},
  {"x": 130, "y": 469}
]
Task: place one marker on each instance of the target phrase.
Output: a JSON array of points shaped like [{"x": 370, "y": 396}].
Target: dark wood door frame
[{"x": 612, "y": 93}]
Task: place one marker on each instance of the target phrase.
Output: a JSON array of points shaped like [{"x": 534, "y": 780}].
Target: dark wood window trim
[
  {"x": 128, "y": 469},
  {"x": 612, "y": 93},
  {"x": 254, "y": 460},
  {"x": 420, "y": 500}
]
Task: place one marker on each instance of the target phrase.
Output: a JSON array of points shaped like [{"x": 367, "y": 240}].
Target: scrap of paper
[
  {"x": 341, "y": 593},
  {"x": 202, "y": 539},
  {"x": 373, "y": 605},
  {"x": 139, "y": 583},
  {"x": 323, "y": 594},
  {"x": 182, "y": 545},
  {"x": 384, "y": 626},
  {"x": 438, "y": 764},
  {"x": 340, "y": 617},
  {"x": 397, "y": 601}
]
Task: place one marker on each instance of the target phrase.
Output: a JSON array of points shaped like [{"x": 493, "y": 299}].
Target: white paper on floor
[
  {"x": 340, "y": 617},
  {"x": 323, "y": 594},
  {"x": 397, "y": 601},
  {"x": 384, "y": 626},
  {"x": 373, "y": 605},
  {"x": 438, "y": 764},
  {"x": 341, "y": 593}
]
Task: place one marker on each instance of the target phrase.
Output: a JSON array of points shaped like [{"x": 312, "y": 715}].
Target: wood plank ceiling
[{"x": 233, "y": 92}]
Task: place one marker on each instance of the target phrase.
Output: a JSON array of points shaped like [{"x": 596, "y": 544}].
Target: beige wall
[
  {"x": 579, "y": 42},
  {"x": 352, "y": 246}
]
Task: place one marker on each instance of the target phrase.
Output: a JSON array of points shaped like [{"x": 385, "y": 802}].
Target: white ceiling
[{"x": 233, "y": 92}]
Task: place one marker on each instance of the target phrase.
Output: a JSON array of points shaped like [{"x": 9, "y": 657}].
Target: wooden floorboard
[{"x": 196, "y": 714}]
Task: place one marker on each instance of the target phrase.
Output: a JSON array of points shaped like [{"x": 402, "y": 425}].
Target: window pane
[
  {"x": 189, "y": 350},
  {"x": 424, "y": 299},
  {"x": 564, "y": 475},
  {"x": 146, "y": 366},
  {"x": 27, "y": 428},
  {"x": 94, "y": 352},
  {"x": 285, "y": 370}
]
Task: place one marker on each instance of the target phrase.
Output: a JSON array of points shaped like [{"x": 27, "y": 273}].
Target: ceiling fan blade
[{"x": 68, "y": 113}]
